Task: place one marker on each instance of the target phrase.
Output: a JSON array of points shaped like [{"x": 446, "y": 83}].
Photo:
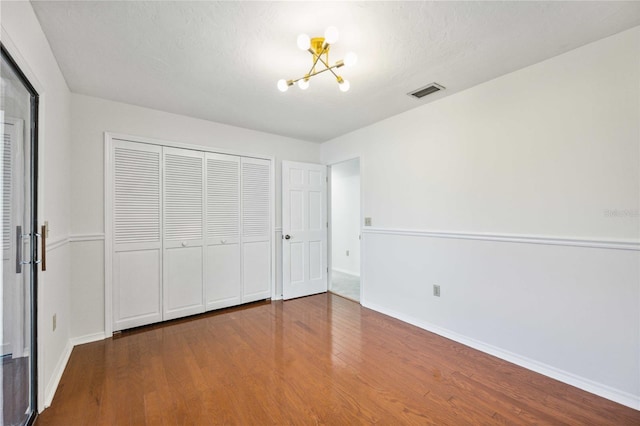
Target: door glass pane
[{"x": 15, "y": 295}]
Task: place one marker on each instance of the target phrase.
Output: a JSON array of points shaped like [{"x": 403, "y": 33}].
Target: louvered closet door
[
  {"x": 183, "y": 288},
  {"x": 12, "y": 340},
  {"x": 223, "y": 282},
  {"x": 137, "y": 234},
  {"x": 256, "y": 228}
]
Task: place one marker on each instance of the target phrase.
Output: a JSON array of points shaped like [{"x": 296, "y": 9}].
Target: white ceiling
[{"x": 220, "y": 61}]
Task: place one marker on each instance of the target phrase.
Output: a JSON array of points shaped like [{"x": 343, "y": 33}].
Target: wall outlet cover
[{"x": 436, "y": 290}]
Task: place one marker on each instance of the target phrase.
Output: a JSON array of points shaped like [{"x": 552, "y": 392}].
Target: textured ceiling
[{"x": 220, "y": 61}]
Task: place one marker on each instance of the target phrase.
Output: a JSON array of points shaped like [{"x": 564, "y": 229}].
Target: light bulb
[
  {"x": 303, "y": 84},
  {"x": 350, "y": 59},
  {"x": 345, "y": 86},
  {"x": 304, "y": 42},
  {"x": 331, "y": 35},
  {"x": 282, "y": 85}
]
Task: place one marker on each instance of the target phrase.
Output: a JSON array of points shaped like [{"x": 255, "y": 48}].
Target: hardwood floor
[{"x": 315, "y": 360}]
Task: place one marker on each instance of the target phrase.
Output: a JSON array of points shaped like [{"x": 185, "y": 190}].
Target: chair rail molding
[
  {"x": 509, "y": 238},
  {"x": 86, "y": 237},
  {"x": 57, "y": 243}
]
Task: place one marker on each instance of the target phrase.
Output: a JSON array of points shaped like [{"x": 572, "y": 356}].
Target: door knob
[{"x": 287, "y": 237}]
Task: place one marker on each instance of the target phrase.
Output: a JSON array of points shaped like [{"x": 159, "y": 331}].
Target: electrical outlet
[
  {"x": 367, "y": 221},
  {"x": 347, "y": 252},
  {"x": 54, "y": 321},
  {"x": 436, "y": 290}
]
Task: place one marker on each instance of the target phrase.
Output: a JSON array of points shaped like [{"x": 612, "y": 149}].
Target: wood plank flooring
[{"x": 315, "y": 360}]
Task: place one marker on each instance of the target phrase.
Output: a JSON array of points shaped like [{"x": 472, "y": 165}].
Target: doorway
[
  {"x": 345, "y": 229},
  {"x": 19, "y": 241}
]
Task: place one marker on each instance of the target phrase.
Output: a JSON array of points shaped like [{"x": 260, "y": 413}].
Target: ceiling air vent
[{"x": 427, "y": 90}]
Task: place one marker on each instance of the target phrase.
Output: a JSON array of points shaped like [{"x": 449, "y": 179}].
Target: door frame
[
  {"x": 36, "y": 89},
  {"x": 330, "y": 220},
  {"x": 109, "y": 137}
]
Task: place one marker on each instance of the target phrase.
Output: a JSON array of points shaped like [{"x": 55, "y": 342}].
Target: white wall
[
  {"x": 91, "y": 118},
  {"x": 550, "y": 152},
  {"x": 23, "y": 37},
  {"x": 345, "y": 217}
]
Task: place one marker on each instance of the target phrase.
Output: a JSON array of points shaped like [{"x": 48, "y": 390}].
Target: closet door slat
[
  {"x": 255, "y": 199},
  {"x": 137, "y": 196},
  {"x": 223, "y": 197},
  {"x": 183, "y": 203},
  {"x": 7, "y": 182}
]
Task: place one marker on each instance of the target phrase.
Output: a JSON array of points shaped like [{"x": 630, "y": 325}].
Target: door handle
[
  {"x": 37, "y": 261},
  {"x": 19, "y": 249},
  {"x": 287, "y": 237},
  {"x": 43, "y": 248},
  {"x": 19, "y": 261}
]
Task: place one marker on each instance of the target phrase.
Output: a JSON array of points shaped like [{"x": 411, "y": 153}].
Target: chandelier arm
[
  {"x": 308, "y": 76},
  {"x": 317, "y": 57},
  {"x": 330, "y": 68}
]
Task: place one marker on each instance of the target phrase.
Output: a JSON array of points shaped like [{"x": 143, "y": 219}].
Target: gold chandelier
[{"x": 319, "y": 49}]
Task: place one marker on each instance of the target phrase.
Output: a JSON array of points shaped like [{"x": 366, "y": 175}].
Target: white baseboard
[
  {"x": 52, "y": 386},
  {"x": 599, "y": 389},
  {"x": 344, "y": 271},
  {"x": 87, "y": 338}
]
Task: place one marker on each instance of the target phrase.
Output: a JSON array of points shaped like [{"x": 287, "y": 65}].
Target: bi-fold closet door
[
  {"x": 238, "y": 252},
  {"x": 223, "y": 284},
  {"x": 191, "y": 232},
  {"x": 183, "y": 257},
  {"x": 137, "y": 234}
]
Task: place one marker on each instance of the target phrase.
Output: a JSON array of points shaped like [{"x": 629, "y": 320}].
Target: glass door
[{"x": 19, "y": 241}]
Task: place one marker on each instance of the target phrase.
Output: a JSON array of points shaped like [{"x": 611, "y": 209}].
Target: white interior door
[
  {"x": 304, "y": 229},
  {"x": 183, "y": 260},
  {"x": 137, "y": 257}
]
